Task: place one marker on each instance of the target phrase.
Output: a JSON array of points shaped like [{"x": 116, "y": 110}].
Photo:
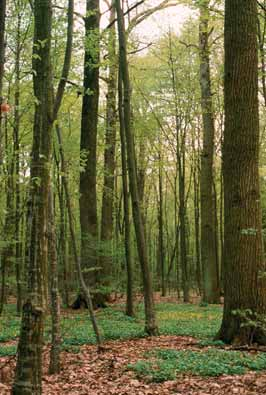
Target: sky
[{"x": 156, "y": 25}]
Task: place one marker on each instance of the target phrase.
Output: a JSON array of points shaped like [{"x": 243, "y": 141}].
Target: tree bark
[
  {"x": 2, "y": 63},
  {"x": 211, "y": 293},
  {"x": 106, "y": 261},
  {"x": 88, "y": 143},
  {"x": 28, "y": 373},
  {"x": 127, "y": 237},
  {"x": 244, "y": 283}
]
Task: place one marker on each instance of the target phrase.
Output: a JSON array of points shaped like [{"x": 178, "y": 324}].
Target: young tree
[
  {"x": 150, "y": 320},
  {"x": 244, "y": 283}
]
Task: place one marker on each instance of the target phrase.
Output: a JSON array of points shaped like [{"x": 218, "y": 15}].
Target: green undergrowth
[
  {"x": 173, "y": 319},
  {"x": 7, "y": 351},
  {"x": 165, "y": 364}
]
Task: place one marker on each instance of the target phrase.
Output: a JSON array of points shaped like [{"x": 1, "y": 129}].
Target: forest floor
[{"x": 183, "y": 360}]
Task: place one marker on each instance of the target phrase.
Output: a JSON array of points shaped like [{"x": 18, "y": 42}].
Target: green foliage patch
[
  {"x": 165, "y": 364},
  {"x": 7, "y": 351},
  {"x": 173, "y": 319}
]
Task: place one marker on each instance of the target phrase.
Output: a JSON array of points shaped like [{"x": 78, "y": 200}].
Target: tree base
[{"x": 99, "y": 300}]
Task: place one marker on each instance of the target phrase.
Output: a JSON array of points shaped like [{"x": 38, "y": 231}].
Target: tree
[
  {"x": 88, "y": 142},
  {"x": 29, "y": 363},
  {"x": 150, "y": 320},
  {"x": 106, "y": 261},
  {"x": 244, "y": 282},
  {"x": 2, "y": 60},
  {"x": 211, "y": 292}
]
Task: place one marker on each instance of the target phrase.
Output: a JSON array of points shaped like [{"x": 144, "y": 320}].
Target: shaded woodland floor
[{"x": 123, "y": 368}]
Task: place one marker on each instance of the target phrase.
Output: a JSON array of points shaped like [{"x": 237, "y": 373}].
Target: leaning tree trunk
[
  {"x": 28, "y": 376},
  {"x": 244, "y": 268},
  {"x": 150, "y": 321},
  {"x": 88, "y": 143},
  {"x": 211, "y": 292}
]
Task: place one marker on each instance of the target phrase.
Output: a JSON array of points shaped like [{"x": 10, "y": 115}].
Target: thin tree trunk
[
  {"x": 2, "y": 62},
  {"x": 150, "y": 321},
  {"x": 85, "y": 288},
  {"x": 211, "y": 293},
  {"x": 127, "y": 237},
  {"x": 106, "y": 261},
  {"x": 16, "y": 143},
  {"x": 54, "y": 366},
  {"x": 161, "y": 227}
]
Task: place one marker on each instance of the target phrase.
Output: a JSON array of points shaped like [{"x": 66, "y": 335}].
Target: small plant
[
  {"x": 252, "y": 321},
  {"x": 165, "y": 364}
]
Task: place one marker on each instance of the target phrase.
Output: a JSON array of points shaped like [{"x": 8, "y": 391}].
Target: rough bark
[
  {"x": 88, "y": 143},
  {"x": 28, "y": 373},
  {"x": 244, "y": 284}
]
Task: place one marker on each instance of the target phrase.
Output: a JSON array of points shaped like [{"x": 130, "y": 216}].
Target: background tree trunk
[{"x": 211, "y": 293}]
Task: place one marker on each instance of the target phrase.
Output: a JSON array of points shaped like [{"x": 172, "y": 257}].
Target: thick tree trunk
[
  {"x": 88, "y": 144},
  {"x": 106, "y": 261},
  {"x": 244, "y": 283},
  {"x": 150, "y": 321},
  {"x": 211, "y": 293},
  {"x": 29, "y": 362}
]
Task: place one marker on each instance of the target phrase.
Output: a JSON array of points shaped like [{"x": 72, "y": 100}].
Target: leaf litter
[{"x": 107, "y": 373}]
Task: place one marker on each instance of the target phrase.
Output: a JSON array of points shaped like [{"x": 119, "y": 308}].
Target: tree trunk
[
  {"x": 128, "y": 243},
  {"x": 150, "y": 321},
  {"x": 2, "y": 62},
  {"x": 16, "y": 144},
  {"x": 211, "y": 292},
  {"x": 106, "y": 261},
  {"x": 28, "y": 374},
  {"x": 244, "y": 282},
  {"x": 161, "y": 227},
  {"x": 88, "y": 144},
  {"x": 54, "y": 366}
]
